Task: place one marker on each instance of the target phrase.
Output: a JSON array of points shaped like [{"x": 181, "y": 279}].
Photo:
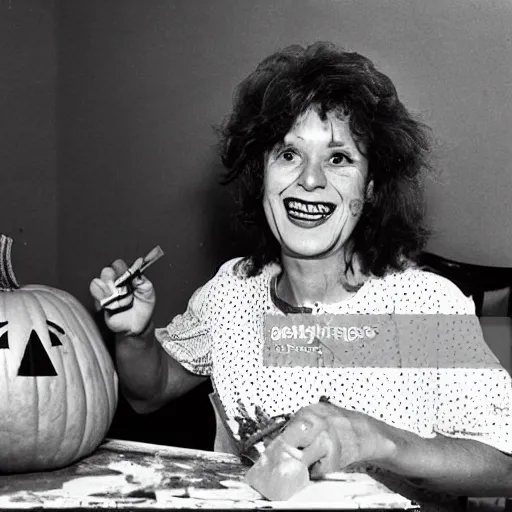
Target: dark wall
[
  {"x": 28, "y": 165},
  {"x": 142, "y": 82},
  {"x": 141, "y": 85}
]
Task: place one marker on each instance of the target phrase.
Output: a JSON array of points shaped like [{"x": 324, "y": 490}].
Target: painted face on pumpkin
[
  {"x": 35, "y": 361},
  {"x": 315, "y": 185}
]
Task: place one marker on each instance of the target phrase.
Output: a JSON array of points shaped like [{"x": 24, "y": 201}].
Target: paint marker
[{"x": 136, "y": 269}]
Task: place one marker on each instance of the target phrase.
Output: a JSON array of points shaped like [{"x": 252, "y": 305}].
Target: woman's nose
[{"x": 312, "y": 176}]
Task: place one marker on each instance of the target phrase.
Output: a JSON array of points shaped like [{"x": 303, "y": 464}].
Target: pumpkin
[{"x": 58, "y": 386}]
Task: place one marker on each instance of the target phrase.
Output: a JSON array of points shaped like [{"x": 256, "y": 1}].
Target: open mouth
[{"x": 308, "y": 210}]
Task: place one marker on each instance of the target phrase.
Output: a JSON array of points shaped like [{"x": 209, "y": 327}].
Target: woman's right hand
[{"x": 131, "y": 313}]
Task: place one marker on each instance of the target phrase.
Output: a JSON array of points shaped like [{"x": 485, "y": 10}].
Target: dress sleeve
[
  {"x": 187, "y": 337},
  {"x": 474, "y": 392}
]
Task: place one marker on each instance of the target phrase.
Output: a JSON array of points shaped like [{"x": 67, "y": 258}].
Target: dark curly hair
[{"x": 285, "y": 85}]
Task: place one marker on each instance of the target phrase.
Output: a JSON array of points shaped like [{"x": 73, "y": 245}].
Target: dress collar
[{"x": 281, "y": 304}]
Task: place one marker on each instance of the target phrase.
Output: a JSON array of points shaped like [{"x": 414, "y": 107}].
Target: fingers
[
  {"x": 111, "y": 273},
  {"x": 103, "y": 287},
  {"x": 121, "y": 299},
  {"x": 119, "y": 267},
  {"x": 313, "y": 431},
  {"x": 302, "y": 429},
  {"x": 321, "y": 449},
  {"x": 99, "y": 290},
  {"x": 323, "y": 455},
  {"x": 108, "y": 274},
  {"x": 141, "y": 286}
]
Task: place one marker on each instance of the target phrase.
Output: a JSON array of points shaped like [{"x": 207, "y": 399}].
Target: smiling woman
[
  {"x": 354, "y": 102},
  {"x": 310, "y": 181},
  {"x": 329, "y": 167}
]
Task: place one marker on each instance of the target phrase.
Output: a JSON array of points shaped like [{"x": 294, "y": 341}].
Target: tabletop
[{"x": 132, "y": 475}]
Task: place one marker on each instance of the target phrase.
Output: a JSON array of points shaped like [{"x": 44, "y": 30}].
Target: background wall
[
  {"x": 141, "y": 84},
  {"x": 28, "y": 153}
]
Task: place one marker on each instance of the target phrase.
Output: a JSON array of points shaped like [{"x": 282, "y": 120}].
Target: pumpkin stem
[{"x": 7, "y": 278}]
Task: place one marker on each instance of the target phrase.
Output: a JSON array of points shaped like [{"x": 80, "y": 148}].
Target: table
[{"x": 131, "y": 475}]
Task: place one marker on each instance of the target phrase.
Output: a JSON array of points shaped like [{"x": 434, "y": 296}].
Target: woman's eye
[
  {"x": 340, "y": 158},
  {"x": 288, "y": 156}
]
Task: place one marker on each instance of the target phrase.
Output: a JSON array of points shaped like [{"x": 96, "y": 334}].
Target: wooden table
[{"x": 130, "y": 475}]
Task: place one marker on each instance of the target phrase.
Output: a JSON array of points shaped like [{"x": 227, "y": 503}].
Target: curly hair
[{"x": 284, "y": 86}]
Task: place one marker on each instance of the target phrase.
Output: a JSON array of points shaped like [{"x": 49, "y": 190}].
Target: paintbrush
[{"x": 136, "y": 269}]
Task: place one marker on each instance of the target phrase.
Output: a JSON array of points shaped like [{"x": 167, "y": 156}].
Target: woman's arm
[
  {"x": 148, "y": 375},
  {"x": 333, "y": 438},
  {"x": 457, "y": 466}
]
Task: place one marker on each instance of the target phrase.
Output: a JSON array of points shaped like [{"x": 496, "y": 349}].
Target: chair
[
  {"x": 491, "y": 290},
  {"x": 476, "y": 280}
]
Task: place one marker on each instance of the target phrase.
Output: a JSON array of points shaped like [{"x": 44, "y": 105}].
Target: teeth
[
  {"x": 308, "y": 216},
  {"x": 308, "y": 208},
  {"x": 308, "y": 211},
  {"x": 298, "y": 206}
]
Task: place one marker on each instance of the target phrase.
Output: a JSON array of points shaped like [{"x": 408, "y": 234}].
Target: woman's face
[{"x": 314, "y": 186}]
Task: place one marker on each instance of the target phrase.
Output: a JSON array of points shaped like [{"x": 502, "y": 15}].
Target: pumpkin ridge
[
  {"x": 66, "y": 401},
  {"x": 99, "y": 353},
  {"x": 86, "y": 439},
  {"x": 7, "y": 388},
  {"x": 54, "y": 299},
  {"x": 102, "y": 370},
  {"x": 36, "y": 393}
]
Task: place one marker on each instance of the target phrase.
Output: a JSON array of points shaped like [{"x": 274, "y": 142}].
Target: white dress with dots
[{"x": 221, "y": 335}]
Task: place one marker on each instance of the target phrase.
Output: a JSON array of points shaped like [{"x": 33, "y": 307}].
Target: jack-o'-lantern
[{"x": 58, "y": 386}]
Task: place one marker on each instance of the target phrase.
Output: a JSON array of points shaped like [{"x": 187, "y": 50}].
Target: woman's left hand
[{"x": 332, "y": 438}]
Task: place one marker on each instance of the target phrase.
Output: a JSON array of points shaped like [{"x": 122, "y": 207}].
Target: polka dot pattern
[{"x": 450, "y": 383}]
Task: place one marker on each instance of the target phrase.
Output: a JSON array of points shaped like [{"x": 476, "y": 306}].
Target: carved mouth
[{"x": 308, "y": 210}]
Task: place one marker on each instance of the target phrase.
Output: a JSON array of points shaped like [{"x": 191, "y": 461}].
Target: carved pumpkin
[{"x": 58, "y": 386}]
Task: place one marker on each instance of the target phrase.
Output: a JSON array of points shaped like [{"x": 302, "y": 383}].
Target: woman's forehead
[{"x": 335, "y": 125}]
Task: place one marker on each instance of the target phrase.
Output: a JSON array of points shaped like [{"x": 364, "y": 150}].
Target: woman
[{"x": 329, "y": 167}]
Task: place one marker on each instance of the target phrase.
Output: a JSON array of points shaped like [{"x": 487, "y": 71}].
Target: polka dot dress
[{"x": 449, "y": 383}]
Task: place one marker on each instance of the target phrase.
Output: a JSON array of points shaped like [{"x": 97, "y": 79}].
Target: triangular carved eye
[
  {"x": 54, "y": 339},
  {"x": 4, "y": 340},
  {"x": 35, "y": 361}
]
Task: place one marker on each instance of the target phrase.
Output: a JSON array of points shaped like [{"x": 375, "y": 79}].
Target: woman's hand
[
  {"x": 131, "y": 313},
  {"x": 332, "y": 438}
]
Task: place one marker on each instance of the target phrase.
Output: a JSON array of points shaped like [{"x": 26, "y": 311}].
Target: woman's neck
[{"x": 304, "y": 282}]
